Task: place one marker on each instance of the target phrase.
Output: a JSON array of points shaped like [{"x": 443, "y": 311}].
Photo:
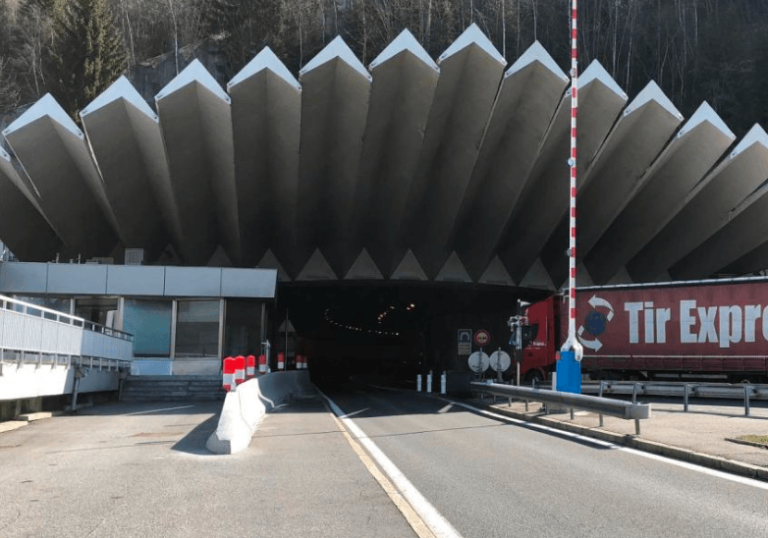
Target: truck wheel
[{"x": 533, "y": 375}]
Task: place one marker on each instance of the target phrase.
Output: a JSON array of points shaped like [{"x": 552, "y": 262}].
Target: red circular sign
[{"x": 482, "y": 338}]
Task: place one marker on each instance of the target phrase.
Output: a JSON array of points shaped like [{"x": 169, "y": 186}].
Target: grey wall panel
[
  {"x": 470, "y": 73},
  {"x": 192, "y": 282},
  {"x": 77, "y": 279},
  {"x": 404, "y": 81},
  {"x": 258, "y": 283},
  {"x": 530, "y": 93},
  {"x": 23, "y": 278},
  {"x": 266, "y": 122},
  {"x": 693, "y": 152},
  {"x": 135, "y": 280}
]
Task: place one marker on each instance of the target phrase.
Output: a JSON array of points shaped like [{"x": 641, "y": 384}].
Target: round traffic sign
[
  {"x": 500, "y": 361},
  {"x": 478, "y": 362},
  {"x": 482, "y": 338}
]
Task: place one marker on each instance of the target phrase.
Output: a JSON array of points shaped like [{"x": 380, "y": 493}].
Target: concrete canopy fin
[
  {"x": 595, "y": 72},
  {"x": 364, "y": 268},
  {"x": 28, "y": 190},
  {"x": 196, "y": 123},
  {"x": 317, "y": 268},
  {"x": 126, "y": 142},
  {"x": 409, "y": 269},
  {"x": 23, "y": 228},
  {"x": 706, "y": 209},
  {"x": 583, "y": 278},
  {"x": 473, "y": 35},
  {"x": 334, "y": 106},
  {"x": 543, "y": 203},
  {"x": 622, "y": 277},
  {"x": 120, "y": 89},
  {"x": 525, "y": 104},
  {"x": 402, "y": 94},
  {"x": 453, "y": 271},
  {"x": 70, "y": 188},
  {"x": 537, "y": 277},
  {"x": 266, "y": 59},
  {"x": 336, "y": 49},
  {"x": 705, "y": 113},
  {"x": 652, "y": 92},
  {"x": 405, "y": 42},
  {"x": 193, "y": 73},
  {"x": 470, "y": 73},
  {"x": 536, "y": 53},
  {"x": 219, "y": 258},
  {"x": 266, "y": 125},
  {"x": 496, "y": 274},
  {"x": 270, "y": 261},
  {"x": 46, "y": 106},
  {"x": 679, "y": 168},
  {"x": 756, "y": 135}
]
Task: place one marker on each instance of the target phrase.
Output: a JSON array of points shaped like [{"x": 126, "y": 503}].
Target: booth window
[
  {"x": 197, "y": 329},
  {"x": 150, "y": 324}
]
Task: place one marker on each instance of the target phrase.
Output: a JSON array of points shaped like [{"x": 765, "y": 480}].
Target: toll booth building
[{"x": 183, "y": 319}]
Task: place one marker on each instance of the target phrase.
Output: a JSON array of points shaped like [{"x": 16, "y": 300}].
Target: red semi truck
[{"x": 706, "y": 329}]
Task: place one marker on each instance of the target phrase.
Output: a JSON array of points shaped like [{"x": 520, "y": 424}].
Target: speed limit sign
[{"x": 482, "y": 338}]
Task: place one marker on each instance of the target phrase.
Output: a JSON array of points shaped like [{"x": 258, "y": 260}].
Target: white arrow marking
[{"x": 592, "y": 344}]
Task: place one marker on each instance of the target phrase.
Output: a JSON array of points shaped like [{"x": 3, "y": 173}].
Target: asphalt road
[
  {"x": 142, "y": 471},
  {"x": 493, "y": 479}
]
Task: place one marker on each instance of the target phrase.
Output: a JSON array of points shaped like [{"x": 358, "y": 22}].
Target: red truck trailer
[{"x": 708, "y": 328}]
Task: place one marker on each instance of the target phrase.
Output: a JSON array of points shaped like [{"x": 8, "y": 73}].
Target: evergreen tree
[{"x": 87, "y": 53}]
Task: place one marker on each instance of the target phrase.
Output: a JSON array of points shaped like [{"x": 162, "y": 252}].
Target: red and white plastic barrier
[
  {"x": 228, "y": 374},
  {"x": 281, "y": 361},
  {"x": 239, "y": 369},
  {"x": 250, "y": 366},
  {"x": 262, "y": 364}
]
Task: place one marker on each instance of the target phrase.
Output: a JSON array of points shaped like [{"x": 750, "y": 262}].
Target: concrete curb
[
  {"x": 682, "y": 454},
  {"x": 243, "y": 409}
]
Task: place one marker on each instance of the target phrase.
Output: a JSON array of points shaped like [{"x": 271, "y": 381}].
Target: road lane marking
[
  {"x": 430, "y": 521},
  {"x": 684, "y": 464},
  {"x": 158, "y": 410}
]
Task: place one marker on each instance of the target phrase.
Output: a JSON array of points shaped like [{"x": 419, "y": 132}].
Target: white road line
[
  {"x": 691, "y": 466},
  {"x": 158, "y": 410},
  {"x": 428, "y": 513}
]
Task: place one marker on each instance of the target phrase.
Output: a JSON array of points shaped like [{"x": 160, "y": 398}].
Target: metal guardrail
[{"x": 602, "y": 406}]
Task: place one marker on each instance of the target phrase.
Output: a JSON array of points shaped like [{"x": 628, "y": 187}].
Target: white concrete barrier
[{"x": 244, "y": 408}]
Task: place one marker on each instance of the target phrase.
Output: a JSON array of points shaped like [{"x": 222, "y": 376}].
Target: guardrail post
[
  {"x": 572, "y": 413},
  {"x": 747, "y": 388},
  {"x": 635, "y": 388},
  {"x": 685, "y": 397},
  {"x": 600, "y": 395},
  {"x": 637, "y": 426}
]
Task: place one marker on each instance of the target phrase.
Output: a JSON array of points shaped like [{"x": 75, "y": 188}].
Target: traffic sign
[
  {"x": 482, "y": 338},
  {"x": 465, "y": 341},
  {"x": 500, "y": 361},
  {"x": 478, "y": 362}
]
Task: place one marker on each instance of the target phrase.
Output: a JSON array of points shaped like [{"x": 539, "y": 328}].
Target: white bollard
[
  {"x": 443, "y": 383},
  {"x": 418, "y": 383},
  {"x": 429, "y": 382}
]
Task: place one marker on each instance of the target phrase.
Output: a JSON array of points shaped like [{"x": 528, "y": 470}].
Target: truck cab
[{"x": 540, "y": 349}]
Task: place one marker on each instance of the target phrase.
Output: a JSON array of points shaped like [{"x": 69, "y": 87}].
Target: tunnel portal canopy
[{"x": 412, "y": 169}]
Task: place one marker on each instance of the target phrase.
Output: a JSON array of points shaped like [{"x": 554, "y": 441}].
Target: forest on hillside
[{"x": 696, "y": 50}]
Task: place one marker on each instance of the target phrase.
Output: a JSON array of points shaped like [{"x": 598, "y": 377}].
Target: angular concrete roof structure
[{"x": 450, "y": 171}]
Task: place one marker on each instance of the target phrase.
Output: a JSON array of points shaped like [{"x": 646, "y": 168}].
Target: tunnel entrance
[{"x": 389, "y": 332}]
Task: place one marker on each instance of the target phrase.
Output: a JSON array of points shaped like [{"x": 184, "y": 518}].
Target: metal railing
[
  {"x": 745, "y": 392},
  {"x": 48, "y": 336},
  {"x": 603, "y": 406}
]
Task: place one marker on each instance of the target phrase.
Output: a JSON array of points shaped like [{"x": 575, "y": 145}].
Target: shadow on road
[{"x": 194, "y": 441}]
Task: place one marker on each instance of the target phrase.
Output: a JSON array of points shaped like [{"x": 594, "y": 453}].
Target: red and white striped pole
[
  {"x": 250, "y": 366},
  {"x": 572, "y": 343},
  {"x": 228, "y": 381},
  {"x": 262, "y": 364}
]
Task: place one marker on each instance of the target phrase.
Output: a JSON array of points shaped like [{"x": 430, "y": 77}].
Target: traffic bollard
[
  {"x": 418, "y": 383},
  {"x": 429, "y": 382},
  {"x": 228, "y": 374},
  {"x": 250, "y": 366},
  {"x": 239, "y": 369}
]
